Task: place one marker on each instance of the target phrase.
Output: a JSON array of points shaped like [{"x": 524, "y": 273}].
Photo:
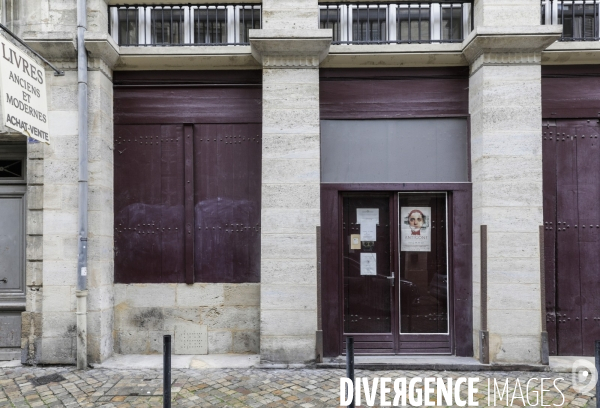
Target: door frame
[
  {"x": 459, "y": 250},
  {"x": 422, "y": 338},
  {"x": 394, "y": 327},
  {"x": 16, "y": 188}
]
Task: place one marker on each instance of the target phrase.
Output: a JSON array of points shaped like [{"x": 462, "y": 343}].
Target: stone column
[
  {"x": 60, "y": 222},
  {"x": 290, "y": 49},
  {"x": 506, "y": 162},
  {"x": 100, "y": 212},
  {"x": 103, "y": 54},
  {"x": 49, "y": 326}
]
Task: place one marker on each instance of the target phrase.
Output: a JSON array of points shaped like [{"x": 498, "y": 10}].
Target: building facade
[{"x": 272, "y": 177}]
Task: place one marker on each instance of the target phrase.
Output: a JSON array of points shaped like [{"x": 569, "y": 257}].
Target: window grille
[
  {"x": 580, "y": 19},
  {"x": 407, "y": 22},
  {"x": 11, "y": 169},
  {"x": 140, "y": 25}
]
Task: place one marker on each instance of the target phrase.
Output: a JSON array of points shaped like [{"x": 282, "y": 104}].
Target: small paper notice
[
  {"x": 368, "y": 263},
  {"x": 367, "y": 216},
  {"x": 368, "y": 232},
  {"x": 355, "y": 241}
]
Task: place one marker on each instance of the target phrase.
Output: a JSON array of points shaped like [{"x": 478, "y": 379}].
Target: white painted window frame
[
  {"x": 551, "y": 11},
  {"x": 233, "y": 13},
  {"x": 5, "y": 7},
  {"x": 345, "y": 22}
]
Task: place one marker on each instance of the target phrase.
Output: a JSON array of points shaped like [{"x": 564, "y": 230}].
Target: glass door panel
[
  {"x": 368, "y": 280},
  {"x": 423, "y": 246}
]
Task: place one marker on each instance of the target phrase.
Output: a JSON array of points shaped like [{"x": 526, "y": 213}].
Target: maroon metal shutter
[
  {"x": 567, "y": 254},
  {"x": 549, "y": 185},
  {"x": 187, "y": 177},
  {"x": 588, "y": 180},
  {"x": 227, "y": 202},
  {"x": 386, "y": 93},
  {"x": 149, "y": 203}
]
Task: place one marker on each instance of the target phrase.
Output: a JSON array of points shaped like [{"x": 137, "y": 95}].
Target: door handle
[
  {"x": 391, "y": 278},
  {"x": 4, "y": 280}
]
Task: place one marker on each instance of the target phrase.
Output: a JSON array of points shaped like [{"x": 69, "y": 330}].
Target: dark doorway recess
[
  {"x": 187, "y": 171},
  {"x": 410, "y": 302},
  {"x": 386, "y": 102},
  {"x": 571, "y": 163}
]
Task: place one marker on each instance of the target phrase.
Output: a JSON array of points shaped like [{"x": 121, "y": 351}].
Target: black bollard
[
  {"x": 597, "y": 349},
  {"x": 350, "y": 364},
  {"x": 167, "y": 371}
]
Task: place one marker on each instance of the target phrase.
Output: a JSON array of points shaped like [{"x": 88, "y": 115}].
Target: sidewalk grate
[{"x": 47, "y": 379}]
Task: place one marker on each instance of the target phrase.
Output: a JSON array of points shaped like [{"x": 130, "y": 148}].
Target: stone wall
[
  {"x": 290, "y": 49},
  {"x": 49, "y": 324},
  {"x": 506, "y": 154},
  {"x": 277, "y": 317},
  {"x": 31, "y": 319},
  {"x": 146, "y": 312},
  {"x": 505, "y": 13},
  {"x": 290, "y": 213},
  {"x": 100, "y": 212},
  {"x": 60, "y": 170}
]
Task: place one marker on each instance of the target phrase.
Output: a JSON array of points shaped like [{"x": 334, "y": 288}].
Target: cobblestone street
[{"x": 29, "y": 387}]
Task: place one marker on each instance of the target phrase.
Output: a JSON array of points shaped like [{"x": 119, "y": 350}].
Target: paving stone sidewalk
[{"x": 24, "y": 387}]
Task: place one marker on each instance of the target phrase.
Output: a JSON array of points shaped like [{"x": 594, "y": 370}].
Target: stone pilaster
[
  {"x": 50, "y": 28},
  {"x": 31, "y": 319},
  {"x": 290, "y": 190},
  {"x": 506, "y": 156},
  {"x": 103, "y": 54},
  {"x": 503, "y": 13},
  {"x": 100, "y": 212}
]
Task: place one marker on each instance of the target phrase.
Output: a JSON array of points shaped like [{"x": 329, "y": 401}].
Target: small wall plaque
[{"x": 191, "y": 340}]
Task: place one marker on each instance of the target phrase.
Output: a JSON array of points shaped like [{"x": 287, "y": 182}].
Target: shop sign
[{"x": 23, "y": 87}]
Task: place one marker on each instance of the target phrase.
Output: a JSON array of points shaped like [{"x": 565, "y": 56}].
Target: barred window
[
  {"x": 580, "y": 19},
  {"x": 377, "y": 23},
  {"x": 140, "y": 25}
]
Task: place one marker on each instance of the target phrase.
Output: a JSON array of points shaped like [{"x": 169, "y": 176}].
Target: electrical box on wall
[{"x": 191, "y": 340}]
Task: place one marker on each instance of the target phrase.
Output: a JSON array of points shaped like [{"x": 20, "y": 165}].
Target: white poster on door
[
  {"x": 368, "y": 263},
  {"x": 415, "y": 229},
  {"x": 367, "y": 218}
]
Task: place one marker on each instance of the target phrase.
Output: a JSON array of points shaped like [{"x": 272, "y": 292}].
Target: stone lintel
[
  {"x": 285, "y": 48},
  {"x": 572, "y": 53},
  {"x": 185, "y": 57},
  {"x": 394, "y": 55},
  {"x": 526, "y": 40},
  {"x": 103, "y": 47},
  {"x": 54, "y": 49}
]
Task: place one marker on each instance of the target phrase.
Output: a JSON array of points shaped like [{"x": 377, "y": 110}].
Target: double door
[
  {"x": 187, "y": 203},
  {"x": 395, "y": 273},
  {"x": 571, "y": 162}
]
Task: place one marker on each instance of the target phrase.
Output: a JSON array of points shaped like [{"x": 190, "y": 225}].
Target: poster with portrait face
[{"x": 415, "y": 229}]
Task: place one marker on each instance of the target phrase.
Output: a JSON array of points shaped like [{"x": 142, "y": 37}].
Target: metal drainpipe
[{"x": 82, "y": 78}]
